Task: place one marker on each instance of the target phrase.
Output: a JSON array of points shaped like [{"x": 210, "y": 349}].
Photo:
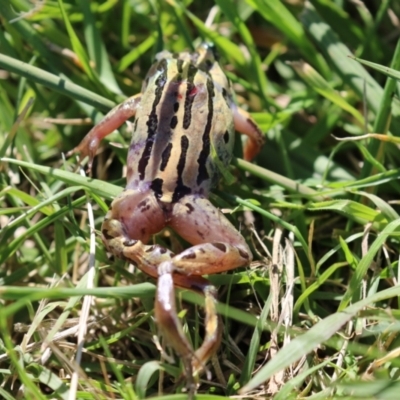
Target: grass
[{"x": 316, "y": 315}]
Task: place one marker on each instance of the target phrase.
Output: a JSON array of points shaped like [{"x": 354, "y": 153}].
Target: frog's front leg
[
  {"x": 113, "y": 120},
  {"x": 245, "y": 124}
]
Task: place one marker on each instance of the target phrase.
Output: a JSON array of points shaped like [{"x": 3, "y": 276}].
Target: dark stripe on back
[
  {"x": 162, "y": 65},
  {"x": 205, "y": 151},
  {"x": 226, "y": 136},
  {"x": 165, "y": 156},
  {"x": 156, "y": 187},
  {"x": 179, "y": 65},
  {"x": 182, "y": 158},
  {"x": 173, "y": 122},
  {"x": 152, "y": 122},
  {"x": 227, "y": 96},
  {"x": 187, "y": 115},
  {"x": 180, "y": 189}
]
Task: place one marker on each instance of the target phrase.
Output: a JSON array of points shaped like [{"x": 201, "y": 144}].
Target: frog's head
[
  {"x": 179, "y": 66},
  {"x": 206, "y": 56}
]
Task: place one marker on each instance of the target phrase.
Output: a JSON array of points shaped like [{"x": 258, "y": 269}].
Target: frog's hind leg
[
  {"x": 218, "y": 247},
  {"x": 171, "y": 328},
  {"x": 132, "y": 219}
]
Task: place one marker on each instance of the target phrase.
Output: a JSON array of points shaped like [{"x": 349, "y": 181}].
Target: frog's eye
[
  {"x": 212, "y": 51},
  {"x": 207, "y": 56}
]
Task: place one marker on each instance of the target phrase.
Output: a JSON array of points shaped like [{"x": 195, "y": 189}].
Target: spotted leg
[
  {"x": 218, "y": 247},
  {"x": 113, "y": 120},
  {"x": 133, "y": 217},
  {"x": 171, "y": 328}
]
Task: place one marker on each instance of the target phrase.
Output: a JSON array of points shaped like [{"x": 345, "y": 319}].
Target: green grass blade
[
  {"x": 76, "y": 44},
  {"x": 319, "y": 333},
  {"x": 276, "y": 13},
  {"x": 61, "y": 85},
  {"x": 97, "y": 50},
  {"x": 365, "y": 263},
  {"x": 338, "y": 55}
]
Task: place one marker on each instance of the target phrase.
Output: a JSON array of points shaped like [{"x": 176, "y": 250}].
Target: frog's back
[{"x": 184, "y": 117}]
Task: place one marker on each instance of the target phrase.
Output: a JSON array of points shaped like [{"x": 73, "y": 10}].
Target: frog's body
[
  {"x": 184, "y": 114},
  {"x": 181, "y": 112}
]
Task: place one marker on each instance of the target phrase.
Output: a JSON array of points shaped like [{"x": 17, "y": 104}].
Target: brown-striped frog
[{"x": 185, "y": 116}]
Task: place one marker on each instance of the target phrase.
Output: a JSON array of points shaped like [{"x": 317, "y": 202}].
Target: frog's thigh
[
  {"x": 138, "y": 213},
  {"x": 133, "y": 217},
  {"x": 218, "y": 245}
]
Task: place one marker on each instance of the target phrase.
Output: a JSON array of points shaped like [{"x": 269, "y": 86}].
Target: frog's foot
[
  {"x": 113, "y": 120},
  {"x": 166, "y": 316},
  {"x": 171, "y": 328}
]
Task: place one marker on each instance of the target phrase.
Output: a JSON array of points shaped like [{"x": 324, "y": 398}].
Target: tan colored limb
[
  {"x": 246, "y": 125},
  {"x": 171, "y": 328},
  {"x": 113, "y": 120},
  {"x": 218, "y": 246}
]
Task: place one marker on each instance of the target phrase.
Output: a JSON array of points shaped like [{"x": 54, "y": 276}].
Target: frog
[{"x": 185, "y": 119}]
